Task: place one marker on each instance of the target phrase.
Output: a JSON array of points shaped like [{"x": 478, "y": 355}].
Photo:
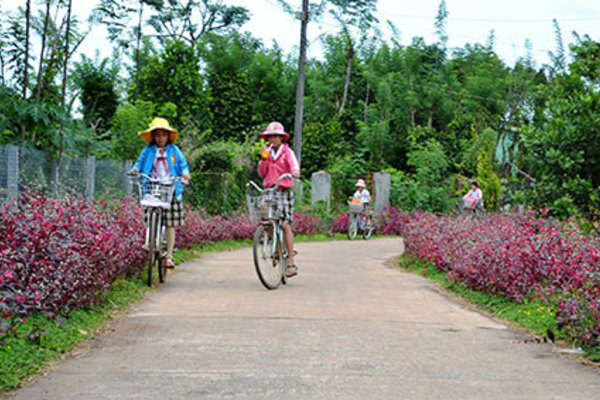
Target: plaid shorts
[
  {"x": 284, "y": 205},
  {"x": 175, "y": 216}
]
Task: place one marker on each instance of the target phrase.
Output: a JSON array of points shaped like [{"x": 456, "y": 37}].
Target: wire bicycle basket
[
  {"x": 259, "y": 206},
  {"x": 354, "y": 207},
  {"x": 155, "y": 193}
]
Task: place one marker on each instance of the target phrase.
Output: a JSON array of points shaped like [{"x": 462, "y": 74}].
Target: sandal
[
  {"x": 291, "y": 270},
  {"x": 169, "y": 263}
]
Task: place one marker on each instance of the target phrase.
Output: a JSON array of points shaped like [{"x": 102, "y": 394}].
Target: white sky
[{"x": 469, "y": 21}]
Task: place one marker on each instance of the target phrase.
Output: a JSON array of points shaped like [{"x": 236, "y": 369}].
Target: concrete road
[{"x": 347, "y": 327}]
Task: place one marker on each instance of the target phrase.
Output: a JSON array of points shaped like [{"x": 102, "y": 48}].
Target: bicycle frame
[
  {"x": 357, "y": 222},
  {"x": 154, "y": 208},
  {"x": 273, "y": 249}
]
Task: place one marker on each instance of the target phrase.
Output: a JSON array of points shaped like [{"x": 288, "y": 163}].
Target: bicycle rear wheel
[
  {"x": 281, "y": 254},
  {"x": 269, "y": 266},
  {"x": 153, "y": 225},
  {"x": 352, "y": 227},
  {"x": 162, "y": 269}
]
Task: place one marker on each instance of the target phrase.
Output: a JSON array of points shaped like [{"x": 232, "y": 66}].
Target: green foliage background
[{"x": 426, "y": 113}]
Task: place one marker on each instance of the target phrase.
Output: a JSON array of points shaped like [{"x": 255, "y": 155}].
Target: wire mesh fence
[
  {"x": 23, "y": 169},
  {"x": 3, "y": 173}
]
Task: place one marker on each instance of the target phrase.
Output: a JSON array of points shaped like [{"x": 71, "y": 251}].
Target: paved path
[{"x": 347, "y": 327}]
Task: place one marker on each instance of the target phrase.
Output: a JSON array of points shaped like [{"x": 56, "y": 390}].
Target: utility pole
[{"x": 298, "y": 122}]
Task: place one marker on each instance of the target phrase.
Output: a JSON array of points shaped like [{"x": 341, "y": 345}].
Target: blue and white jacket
[{"x": 177, "y": 164}]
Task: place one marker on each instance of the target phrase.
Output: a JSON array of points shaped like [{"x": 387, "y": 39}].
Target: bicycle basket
[
  {"x": 156, "y": 194},
  {"x": 258, "y": 207},
  {"x": 355, "y": 207}
]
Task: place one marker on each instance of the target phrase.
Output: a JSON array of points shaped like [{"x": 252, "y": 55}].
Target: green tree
[
  {"x": 562, "y": 153},
  {"x": 127, "y": 121},
  {"x": 124, "y": 20},
  {"x": 189, "y": 20},
  {"x": 323, "y": 142},
  {"x": 97, "y": 82},
  {"x": 227, "y": 59},
  {"x": 173, "y": 76},
  {"x": 429, "y": 187}
]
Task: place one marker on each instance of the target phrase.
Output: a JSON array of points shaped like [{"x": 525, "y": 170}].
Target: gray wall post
[
  {"x": 90, "y": 173},
  {"x": 383, "y": 181},
  {"x": 12, "y": 172},
  {"x": 128, "y": 184},
  {"x": 321, "y": 188},
  {"x": 297, "y": 192}
]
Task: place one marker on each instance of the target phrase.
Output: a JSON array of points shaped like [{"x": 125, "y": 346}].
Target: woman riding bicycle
[
  {"x": 161, "y": 159},
  {"x": 277, "y": 159}
]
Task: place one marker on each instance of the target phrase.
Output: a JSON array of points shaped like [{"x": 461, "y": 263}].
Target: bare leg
[
  {"x": 289, "y": 241},
  {"x": 170, "y": 244}
]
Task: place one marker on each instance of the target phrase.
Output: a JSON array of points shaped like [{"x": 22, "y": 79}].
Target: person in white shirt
[
  {"x": 364, "y": 196},
  {"x": 474, "y": 198}
]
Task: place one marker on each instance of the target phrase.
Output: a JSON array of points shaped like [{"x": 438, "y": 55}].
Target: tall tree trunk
[
  {"x": 26, "y": 60},
  {"x": 366, "y": 108},
  {"x": 349, "y": 57},
  {"x": 66, "y": 60},
  {"x": 64, "y": 79},
  {"x": 137, "y": 52},
  {"x": 299, "y": 116},
  {"x": 38, "y": 93}
]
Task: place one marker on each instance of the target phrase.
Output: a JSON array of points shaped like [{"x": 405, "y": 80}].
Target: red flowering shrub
[
  {"x": 517, "y": 256},
  {"x": 391, "y": 222},
  {"x": 341, "y": 223},
  {"x": 58, "y": 256},
  {"x": 305, "y": 224},
  {"x": 201, "y": 229}
]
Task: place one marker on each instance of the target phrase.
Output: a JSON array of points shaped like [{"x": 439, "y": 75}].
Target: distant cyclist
[
  {"x": 277, "y": 159},
  {"x": 473, "y": 199},
  {"x": 364, "y": 196}
]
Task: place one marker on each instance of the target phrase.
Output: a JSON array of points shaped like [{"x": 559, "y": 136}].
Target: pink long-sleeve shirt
[{"x": 277, "y": 164}]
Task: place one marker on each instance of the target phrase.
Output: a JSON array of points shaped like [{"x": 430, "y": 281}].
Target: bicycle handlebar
[
  {"x": 252, "y": 183},
  {"x": 165, "y": 181}
]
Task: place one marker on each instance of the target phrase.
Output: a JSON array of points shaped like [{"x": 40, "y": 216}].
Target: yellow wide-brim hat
[{"x": 159, "y": 123}]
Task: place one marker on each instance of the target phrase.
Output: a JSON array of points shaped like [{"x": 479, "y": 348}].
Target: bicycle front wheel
[
  {"x": 367, "y": 232},
  {"x": 268, "y": 264},
  {"x": 153, "y": 226},
  {"x": 352, "y": 227}
]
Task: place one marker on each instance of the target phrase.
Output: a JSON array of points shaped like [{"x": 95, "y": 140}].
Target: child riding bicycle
[
  {"x": 363, "y": 195},
  {"x": 162, "y": 159},
  {"x": 277, "y": 159},
  {"x": 473, "y": 200}
]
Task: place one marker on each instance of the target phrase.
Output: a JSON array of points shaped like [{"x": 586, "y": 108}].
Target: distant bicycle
[
  {"x": 155, "y": 196},
  {"x": 477, "y": 212},
  {"x": 268, "y": 245},
  {"x": 357, "y": 220}
]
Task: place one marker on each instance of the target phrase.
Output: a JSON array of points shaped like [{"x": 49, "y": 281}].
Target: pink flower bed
[
  {"x": 58, "y": 256},
  {"x": 517, "y": 256}
]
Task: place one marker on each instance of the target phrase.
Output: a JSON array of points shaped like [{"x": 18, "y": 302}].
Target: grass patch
[
  {"x": 531, "y": 315},
  {"x": 43, "y": 339}
]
